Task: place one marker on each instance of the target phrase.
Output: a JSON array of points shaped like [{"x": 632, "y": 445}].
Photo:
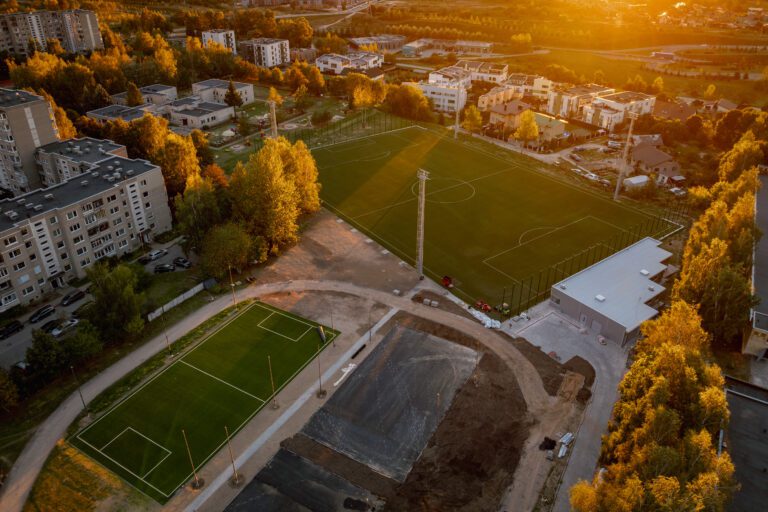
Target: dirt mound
[
  {"x": 551, "y": 371},
  {"x": 472, "y": 456}
]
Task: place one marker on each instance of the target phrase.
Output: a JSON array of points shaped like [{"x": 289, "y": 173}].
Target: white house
[
  {"x": 356, "y": 61},
  {"x": 157, "y": 94},
  {"x": 266, "y": 52},
  {"x": 627, "y": 101},
  {"x": 224, "y": 37},
  {"x": 602, "y": 115},
  {"x": 570, "y": 102},
  {"x": 484, "y": 71},
  {"x": 451, "y": 75},
  {"x": 194, "y": 112},
  {"x": 215, "y": 90}
]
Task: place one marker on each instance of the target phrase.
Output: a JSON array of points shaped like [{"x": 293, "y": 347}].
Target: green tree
[
  {"x": 83, "y": 344},
  {"x": 134, "y": 97},
  {"x": 232, "y": 97},
  {"x": 178, "y": 160},
  {"x": 527, "y": 130},
  {"x": 46, "y": 356},
  {"x": 243, "y": 126},
  {"x": 116, "y": 310},
  {"x": 197, "y": 211},
  {"x": 275, "y": 96},
  {"x": 409, "y": 102},
  {"x": 657, "y": 87},
  {"x": 64, "y": 127},
  {"x": 473, "y": 120},
  {"x": 315, "y": 81},
  {"x": 709, "y": 93},
  {"x": 9, "y": 394},
  {"x": 300, "y": 99},
  {"x": 203, "y": 149},
  {"x": 227, "y": 246}
]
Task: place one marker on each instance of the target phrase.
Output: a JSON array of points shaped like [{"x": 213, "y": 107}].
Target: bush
[{"x": 321, "y": 117}]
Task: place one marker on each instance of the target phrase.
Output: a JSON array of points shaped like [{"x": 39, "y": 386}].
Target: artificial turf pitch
[
  {"x": 223, "y": 381},
  {"x": 493, "y": 218}
]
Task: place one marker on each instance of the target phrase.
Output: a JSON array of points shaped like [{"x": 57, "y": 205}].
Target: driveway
[{"x": 555, "y": 332}]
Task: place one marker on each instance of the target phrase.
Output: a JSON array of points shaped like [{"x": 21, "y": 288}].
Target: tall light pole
[
  {"x": 624, "y": 157},
  {"x": 456, "y": 124},
  {"x": 232, "y": 285},
  {"x": 273, "y": 119},
  {"x": 423, "y": 176},
  {"x": 79, "y": 391}
]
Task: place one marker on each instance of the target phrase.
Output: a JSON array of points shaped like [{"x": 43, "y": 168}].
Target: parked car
[
  {"x": 182, "y": 262},
  {"x": 165, "y": 267},
  {"x": 577, "y": 171},
  {"x": 41, "y": 313},
  {"x": 72, "y": 297},
  {"x": 576, "y": 158},
  {"x": 50, "y": 326},
  {"x": 679, "y": 192},
  {"x": 10, "y": 329},
  {"x": 591, "y": 176},
  {"x": 63, "y": 328},
  {"x": 615, "y": 144},
  {"x": 152, "y": 256}
]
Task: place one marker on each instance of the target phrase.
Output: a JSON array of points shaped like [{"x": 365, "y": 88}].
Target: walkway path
[{"x": 24, "y": 473}]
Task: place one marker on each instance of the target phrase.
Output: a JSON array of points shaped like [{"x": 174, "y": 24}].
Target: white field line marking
[
  {"x": 309, "y": 326},
  {"x": 155, "y": 466},
  {"x": 113, "y": 439},
  {"x": 221, "y": 380},
  {"x": 326, "y": 146},
  {"x": 450, "y": 187},
  {"x": 125, "y": 468},
  {"x": 363, "y": 143}
]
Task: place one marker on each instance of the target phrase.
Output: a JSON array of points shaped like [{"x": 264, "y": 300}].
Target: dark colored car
[
  {"x": 82, "y": 310},
  {"x": 50, "y": 326},
  {"x": 41, "y": 313},
  {"x": 72, "y": 297},
  {"x": 165, "y": 267},
  {"x": 10, "y": 329},
  {"x": 182, "y": 262}
]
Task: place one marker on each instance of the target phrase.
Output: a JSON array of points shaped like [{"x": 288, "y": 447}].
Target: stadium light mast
[
  {"x": 423, "y": 176},
  {"x": 624, "y": 162},
  {"x": 272, "y": 118},
  {"x": 456, "y": 124}
]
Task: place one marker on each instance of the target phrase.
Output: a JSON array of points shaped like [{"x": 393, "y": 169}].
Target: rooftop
[
  {"x": 626, "y": 96},
  {"x": 748, "y": 443},
  {"x": 218, "y": 30},
  {"x": 588, "y": 89},
  {"x": 482, "y": 67},
  {"x": 620, "y": 285},
  {"x": 86, "y": 149},
  {"x": 120, "y": 112},
  {"x": 220, "y": 84},
  {"x": 511, "y": 107},
  {"x": 649, "y": 155},
  {"x": 760, "y": 268},
  {"x": 263, "y": 40},
  {"x": 14, "y": 97},
  {"x": 106, "y": 175},
  {"x": 453, "y": 72},
  {"x": 389, "y": 38}
]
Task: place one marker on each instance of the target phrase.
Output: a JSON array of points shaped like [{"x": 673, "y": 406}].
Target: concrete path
[
  {"x": 24, "y": 473},
  {"x": 554, "y": 332}
]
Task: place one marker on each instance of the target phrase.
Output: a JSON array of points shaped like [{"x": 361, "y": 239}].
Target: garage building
[{"x": 611, "y": 298}]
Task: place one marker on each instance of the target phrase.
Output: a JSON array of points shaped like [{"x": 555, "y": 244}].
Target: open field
[
  {"x": 492, "y": 219},
  {"x": 223, "y": 381}
]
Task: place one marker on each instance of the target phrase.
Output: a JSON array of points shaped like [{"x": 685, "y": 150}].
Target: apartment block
[
  {"x": 63, "y": 160},
  {"x": 484, "y": 71},
  {"x": 447, "y": 88},
  {"x": 26, "y": 123},
  {"x": 570, "y": 102},
  {"x": 52, "y": 235},
  {"x": 224, "y": 37},
  {"x": 266, "y": 52},
  {"x": 215, "y": 90},
  {"x": 77, "y": 30}
]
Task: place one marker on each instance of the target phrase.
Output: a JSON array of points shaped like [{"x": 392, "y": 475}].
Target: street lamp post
[{"x": 79, "y": 391}]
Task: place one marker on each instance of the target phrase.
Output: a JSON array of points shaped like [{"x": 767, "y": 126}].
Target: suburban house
[
  {"x": 508, "y": 114},
  {"x": 609, "y": 110},
  {"x": 756, "y": 339},
  {"x": 266, "y": 52},
  {"x": 215, "y": 90},
  {"x": 550, "y": 127},
  {"x": 336, "y": 64},
  {"x": 447, "y": 88},
  {"x": 157, "y": 94},
  {"x": 531, "y": 85},
  {"x": 673, "y": 110},
  {"x": 194, "y": 112},
  {"x": 648, "y": 159},
  {"x": 386, "y": 43},
  {"x": 570, "y": 102},
  {"x": 224, "y": 37},
  {"x": 613, "y": 297},
  {"x": 484, "y": 71}
]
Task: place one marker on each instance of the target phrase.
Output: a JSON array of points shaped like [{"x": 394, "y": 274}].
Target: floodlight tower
[
  {"x": 456, "y": 124},
  {"x": 423, "y": 176},
  {"x": 624, "y": 156},
  {"x": 272, "y": 119}
]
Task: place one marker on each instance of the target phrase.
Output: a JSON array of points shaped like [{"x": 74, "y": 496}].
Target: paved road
[{"x": 30, "y": 462}]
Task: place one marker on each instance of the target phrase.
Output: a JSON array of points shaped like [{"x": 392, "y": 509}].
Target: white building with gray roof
[{"x": 613, "y": 297}]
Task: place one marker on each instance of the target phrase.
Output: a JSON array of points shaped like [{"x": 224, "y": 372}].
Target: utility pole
[
  {"x": 423, "y": 176},
  {"x": 624, "y": 157},
  {"x": 232, "y": 285},
  {"x": 79, "y": 391}
]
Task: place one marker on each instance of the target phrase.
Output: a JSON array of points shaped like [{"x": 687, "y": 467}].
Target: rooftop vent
[
  {"x": 30, "y": 206},
  {"x": 21, "y": 201},
  {"x": 48, "y": 197},
  {"x": 651, "y": 288},
  {"x": 38, "y": 207},
  {"x": 95, "y": 174},
  {"x": 562, "y": 286},
  {"x": 110, "y": 168},
  {"x": 129, "y": 172},
  {"x": 84, "y": 183},
  {"x": 599, "y": 298},
  {"x": 644, "y": 272}
]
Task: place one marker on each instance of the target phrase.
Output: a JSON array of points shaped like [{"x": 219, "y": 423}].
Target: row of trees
[{"x": 660, "y": 451}]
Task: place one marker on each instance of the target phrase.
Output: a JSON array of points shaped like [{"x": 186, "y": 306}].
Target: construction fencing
[{"x": 176, "y": 301}]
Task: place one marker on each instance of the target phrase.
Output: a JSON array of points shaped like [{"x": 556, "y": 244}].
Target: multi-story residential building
[
  {"x": 570, "y": 102},
  {"x": 303, "y": 54},
  {"x": 156, "y": 94},
  {"x": 194, "y": 112},
  {"x": 756, "y": 339},
  {"x": 447, "y": 88},
  {"x": 516, "y": 86},
  {"x": 609, "y": 110},
  {"x": 63, "y": 160},
  {"x": 215, "y": 90},
  {"x": 26, "y": 123},
  {"x": 224, "y": 37},
  {"x": 484, "y": 71},
  {"x": 265, "y": 52},
  {"x": 52, "y": 235},
  {"x": 354, "y": 61},
  {"x": 386, "y": 43},
  {"x": 77, "y": 30}
]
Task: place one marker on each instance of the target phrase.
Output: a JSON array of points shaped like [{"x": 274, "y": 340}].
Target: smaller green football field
[{"x": 223, "y": 381}]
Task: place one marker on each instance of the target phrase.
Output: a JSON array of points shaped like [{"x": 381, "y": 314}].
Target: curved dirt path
[{"x": 27, "y": 467}]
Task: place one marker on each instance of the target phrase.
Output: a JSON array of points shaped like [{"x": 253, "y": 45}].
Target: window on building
[
  {"x": 78, "y": 239},
  {"x": 10, "y": 240},
  {"x": 19, "y": 266},
  {"x": 29, "y": 289},
  {"x": 71, "y": 215},
  {"x": 74, "y": 227},
  {"x": 57, "y": 232},
  {"x": 81, "y": 251},
  {"x": 15, "y": 253}
]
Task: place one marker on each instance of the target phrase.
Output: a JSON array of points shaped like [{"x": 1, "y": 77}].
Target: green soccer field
[
  {"x": 493, "y": 221},
  {"x": 223, "y": 381}
]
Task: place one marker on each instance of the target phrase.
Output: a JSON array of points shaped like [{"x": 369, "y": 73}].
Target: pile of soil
[
  {"x": 471, "y": 458},
  {"x": 581, "y": 366},
  {"x": 441, "y": 331},
  {"x": 551, "y": 371}
]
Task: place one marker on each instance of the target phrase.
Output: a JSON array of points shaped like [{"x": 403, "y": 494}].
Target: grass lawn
[
  {"x": 166, "y": 287},
  {"x": 493, "y": 219},
  {"x": 223, "y": 381}
]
